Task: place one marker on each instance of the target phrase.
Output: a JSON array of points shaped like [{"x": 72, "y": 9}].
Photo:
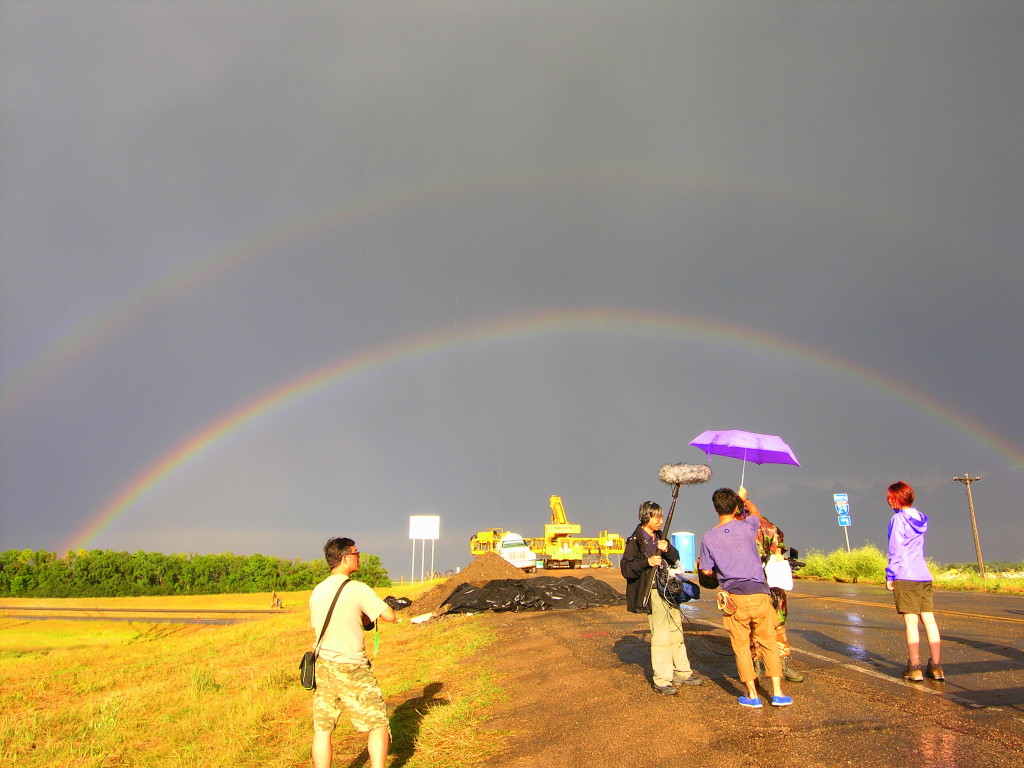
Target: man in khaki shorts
[{"x": 344, "y": 680}]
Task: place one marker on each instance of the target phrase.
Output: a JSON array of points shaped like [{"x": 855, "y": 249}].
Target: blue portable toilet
[{"x": 684, "y": 541}]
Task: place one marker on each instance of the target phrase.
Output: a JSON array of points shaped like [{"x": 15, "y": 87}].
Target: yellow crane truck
[{"x": 561, "y": 546}]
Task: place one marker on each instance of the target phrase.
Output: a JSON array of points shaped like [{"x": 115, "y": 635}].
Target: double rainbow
[{"x": 421, "y": 346}]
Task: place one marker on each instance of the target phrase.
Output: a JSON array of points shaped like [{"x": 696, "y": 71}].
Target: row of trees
[{"x": 104, "y": 573}]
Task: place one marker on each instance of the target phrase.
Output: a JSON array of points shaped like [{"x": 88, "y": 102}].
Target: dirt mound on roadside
[{"x": 486, "y": 567}]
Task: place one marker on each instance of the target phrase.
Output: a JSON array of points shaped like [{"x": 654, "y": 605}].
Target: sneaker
[
  {"x": 666, "y": 690},
  {"x": 934, "y": 671},
  {"x": 752, "y": 702},
  {"x": 693, "y": 679},
  {"x": 781, "y": 701},
  {"x": 913, "y": 673}
]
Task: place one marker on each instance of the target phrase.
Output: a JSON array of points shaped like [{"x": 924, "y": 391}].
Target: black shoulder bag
[{"x": 307, "y": 666}]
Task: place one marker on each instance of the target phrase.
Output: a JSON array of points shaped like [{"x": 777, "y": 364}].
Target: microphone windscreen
[{"x": 685, "y": 474}]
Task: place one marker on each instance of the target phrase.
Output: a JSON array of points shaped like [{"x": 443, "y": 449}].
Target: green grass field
[
  {"x": 867, "y": 566},
  {"x": 101, "y": 694}
]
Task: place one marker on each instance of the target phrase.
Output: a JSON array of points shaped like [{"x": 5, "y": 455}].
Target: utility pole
[{"x": 974, "y": 523}]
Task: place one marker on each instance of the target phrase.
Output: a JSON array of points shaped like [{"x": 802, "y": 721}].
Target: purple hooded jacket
[{"x": 906, "y": 547}]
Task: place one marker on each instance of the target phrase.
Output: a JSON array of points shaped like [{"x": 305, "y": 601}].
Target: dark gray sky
[{"x": 272, "y": 272}]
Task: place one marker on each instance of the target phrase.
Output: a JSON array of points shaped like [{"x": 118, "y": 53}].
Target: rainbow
[
  {"x": 424, "y": 345},
  {"x": 91, "y": 334},
  {"x": 104, "y": 326}
]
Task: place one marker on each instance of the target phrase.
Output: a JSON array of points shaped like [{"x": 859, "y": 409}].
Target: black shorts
[{"x": 912, "y": 596}]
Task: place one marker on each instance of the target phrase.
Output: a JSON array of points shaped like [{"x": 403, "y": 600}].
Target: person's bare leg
[
  {"x": 377, "y": 743},
  {"x": 934, "y": 641},
  {"x": 321, "y": 749},
  {"x": 913, "y": 638}
]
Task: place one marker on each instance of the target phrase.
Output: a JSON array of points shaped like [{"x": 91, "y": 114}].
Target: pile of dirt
[{"x": 486, "y": 567}]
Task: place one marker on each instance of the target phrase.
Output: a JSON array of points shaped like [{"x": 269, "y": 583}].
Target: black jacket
[{"x": 633, "y": 567}]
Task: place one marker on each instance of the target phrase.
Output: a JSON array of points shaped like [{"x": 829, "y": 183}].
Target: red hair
[{"x": 900, "y": 496}]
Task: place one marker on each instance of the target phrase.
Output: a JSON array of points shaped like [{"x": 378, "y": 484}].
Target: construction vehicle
[{"x": 561, "y": 546}]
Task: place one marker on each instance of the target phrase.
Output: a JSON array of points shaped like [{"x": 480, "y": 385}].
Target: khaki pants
[
  {"x": 754, "y": 618},
  {"x": 668, "y": 651}
]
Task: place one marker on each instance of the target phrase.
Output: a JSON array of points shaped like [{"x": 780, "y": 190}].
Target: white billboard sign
[{"x": 424, "y": 527}]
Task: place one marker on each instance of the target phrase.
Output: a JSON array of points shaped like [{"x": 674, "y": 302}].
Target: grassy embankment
[
  {"x": 867, "y": 565},
  {"x": 101, "y": 694}
]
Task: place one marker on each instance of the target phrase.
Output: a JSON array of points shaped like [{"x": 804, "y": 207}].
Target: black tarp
[{"x": 543, "y": 593}]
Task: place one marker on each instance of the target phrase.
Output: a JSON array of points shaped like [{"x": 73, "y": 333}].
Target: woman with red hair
[{"x": 908, "y": 578}]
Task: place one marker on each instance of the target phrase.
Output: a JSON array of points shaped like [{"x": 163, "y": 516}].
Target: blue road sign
[
  {"x": 842, "y": 509},
  {"x": 840, "y": 498},
  {"x": 845, "y": 521}
]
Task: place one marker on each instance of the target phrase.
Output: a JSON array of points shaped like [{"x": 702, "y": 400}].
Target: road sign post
[
  {"x": 424, "y": 527},
  {"x": 842, "y": 504}
]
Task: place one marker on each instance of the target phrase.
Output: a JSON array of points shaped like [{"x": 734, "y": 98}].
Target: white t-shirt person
[{"x": 343, "y": 641}]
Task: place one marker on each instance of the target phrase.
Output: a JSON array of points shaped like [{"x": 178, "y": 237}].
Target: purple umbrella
[{"x": 749, "y": 446}]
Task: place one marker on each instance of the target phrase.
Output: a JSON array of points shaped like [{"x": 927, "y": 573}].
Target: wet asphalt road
[
  {"x": 982, "y": 639},
  {"x": 581, "y": 695}
]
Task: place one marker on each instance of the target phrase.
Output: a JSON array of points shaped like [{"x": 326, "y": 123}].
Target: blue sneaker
[
  {"x": 752, "y": 702},
  {"x": 781, "y": 701}
]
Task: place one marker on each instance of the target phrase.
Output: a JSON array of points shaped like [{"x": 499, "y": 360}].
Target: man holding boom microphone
[{"x": 646, "y": 552}]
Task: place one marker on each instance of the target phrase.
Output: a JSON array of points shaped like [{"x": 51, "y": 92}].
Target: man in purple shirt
[{"x": 729, "y": 551}]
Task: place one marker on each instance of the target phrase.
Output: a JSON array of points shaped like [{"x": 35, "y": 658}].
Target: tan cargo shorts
[{"x": 349, "y": 688}]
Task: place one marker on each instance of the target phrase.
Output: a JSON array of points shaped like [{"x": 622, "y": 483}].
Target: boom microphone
[
  {"x": 685, "y": 474},
  {"x": 682, "y": 474}
]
